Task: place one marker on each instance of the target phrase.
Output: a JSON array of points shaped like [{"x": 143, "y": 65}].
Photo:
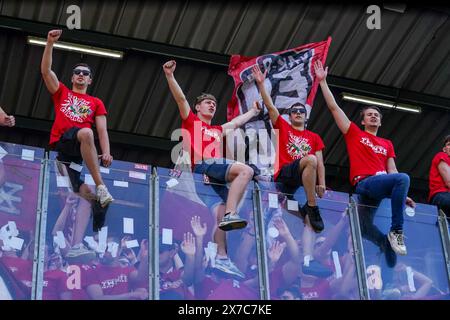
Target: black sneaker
[
  {"x": 314, "y": 217},
  {"x": 389, "y": 254},
  {"x": 98, "y": 216}
]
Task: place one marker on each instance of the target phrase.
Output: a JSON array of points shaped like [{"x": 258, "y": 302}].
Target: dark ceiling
[{"x": 407, "y": 60}]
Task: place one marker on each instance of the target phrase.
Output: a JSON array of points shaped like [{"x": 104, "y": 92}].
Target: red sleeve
[
  {"x": 319, "y": 143},
  {"x": 391, "y": 152},
  {"x": 280, "y": 123},
  {"x": 57, "y": 95},
  {"x": 441, "y": 156},
  {"x": 352, "y": 130},
  {"x": 189, "y": 121},
  {"x": 100, "y": 110}
]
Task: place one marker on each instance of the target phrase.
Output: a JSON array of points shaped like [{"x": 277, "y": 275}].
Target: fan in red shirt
[
  {"x": 440, "y": 179},
  {"x": 299, "y": 161},
  {"x": 373, "y": 172},
  {"x": 114, "y": 282},
  {"x": 71, "y": 134},
  {"x": 204, "y": 143}
]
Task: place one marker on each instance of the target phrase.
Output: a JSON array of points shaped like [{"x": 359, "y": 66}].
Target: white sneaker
[
  {"x": 396, "y": 239},
  {"x": 103, "y": 196}
]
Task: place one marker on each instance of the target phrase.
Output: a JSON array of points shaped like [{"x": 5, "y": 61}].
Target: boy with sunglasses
[
  {"x": 71, "y": 134},
  {"x": 299, "y": 161}
]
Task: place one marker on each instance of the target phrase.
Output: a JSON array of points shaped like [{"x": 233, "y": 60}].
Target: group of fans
[{"x": 78, "y": 272}]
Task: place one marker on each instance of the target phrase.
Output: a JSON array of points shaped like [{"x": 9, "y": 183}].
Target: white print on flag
[{"x": 290, "y": 79}]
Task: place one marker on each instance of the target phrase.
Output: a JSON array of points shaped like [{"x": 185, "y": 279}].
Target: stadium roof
[{"x": 407, "y": 60}]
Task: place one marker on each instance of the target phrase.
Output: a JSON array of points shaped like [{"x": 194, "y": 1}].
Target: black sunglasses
[
  {"x": 298, "y": 110},
  {"x": 84, "y": 72}
]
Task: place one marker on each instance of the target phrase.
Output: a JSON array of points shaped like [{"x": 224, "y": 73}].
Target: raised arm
[
  {"x": 267, "y": 99},
  {"x": 188, "y": 248},
  {"x": 177, "y": 93},
  {"x": 291, "y": 269},
  {"x": 339, "y": 116},
  {"x": 242, "y": 119},
  {"x": 199, "y": 231},
  {"x": 50, "y": 78},
  {"x": 100, "y": 124}
]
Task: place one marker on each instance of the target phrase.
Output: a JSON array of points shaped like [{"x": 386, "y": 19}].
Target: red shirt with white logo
[
  {"x": 113, "y": 280},
  {"x": 203, "y": 141},
  {"x": 437, "y": 183},
  {"x": 294, "y": 144},
  {"x": 368, "y": 154},
  {"x": 73, "y": 110},
  {"x": 319, "y": 291}
]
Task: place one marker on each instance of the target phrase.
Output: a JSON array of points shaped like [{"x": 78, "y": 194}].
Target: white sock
[{"x": 307, "y": 259}]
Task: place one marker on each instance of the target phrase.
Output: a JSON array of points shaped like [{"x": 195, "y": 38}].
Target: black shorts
[
  {"x": 289, "y": 178},
  {"x": 68, "y": 148}
]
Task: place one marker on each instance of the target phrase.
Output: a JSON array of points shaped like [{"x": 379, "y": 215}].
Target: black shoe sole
[{"x": 233, "y": 226}]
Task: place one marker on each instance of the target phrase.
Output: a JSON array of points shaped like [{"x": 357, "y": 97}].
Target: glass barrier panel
[
  {"x": 196, "y": 259},
  {"x": 86, "y": 260},
  {"x": 20, "y": 170},
  {"x": 421, "y": 273},
  {"x": 303, "y": 264}
]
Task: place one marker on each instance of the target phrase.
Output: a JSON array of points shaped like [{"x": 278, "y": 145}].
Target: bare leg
[
  {"x": 219, "y": 236},
  {"x": 239, "y": 175},
  {"x": 89, "y": 153},
  {"x": 308, "y": 169}
]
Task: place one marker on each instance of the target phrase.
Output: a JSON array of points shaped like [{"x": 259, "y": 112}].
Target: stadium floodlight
[
  {"x": 381, "y": 103},
  {"x": 78, "y": 48}
]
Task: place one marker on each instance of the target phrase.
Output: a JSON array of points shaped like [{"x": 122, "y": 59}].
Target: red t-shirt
[
  {"x": 113, "y": 280},
  {"x": 276, "y": 281},
  {"x": 54, "y": 284},
  {"x": 73, "y": 110},
  {"x": 203, "y": 141},
  {"x": 294, "y": 144},
  {"x": 368, "y": 154},
  {"x": 319, "y": 291},
  {"x": 437, "y": 183},
  {"x": 82, "y": 275},
  {"x": 171, "y": 282},
  {"x": 227, "y": 289},
  {"x": 21, "y": 269}
]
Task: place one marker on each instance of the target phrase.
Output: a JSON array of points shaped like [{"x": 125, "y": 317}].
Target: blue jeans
[
  {"x": 442, "y": 201},
  {"x": 394, "y": 186}
]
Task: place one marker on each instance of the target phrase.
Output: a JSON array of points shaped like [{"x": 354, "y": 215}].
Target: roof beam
[
  {"x": 94, "y": 38},
  {"x": 214, "y": 59}
]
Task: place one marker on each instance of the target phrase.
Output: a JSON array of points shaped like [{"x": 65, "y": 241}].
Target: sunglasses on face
[
  {"x": 84, "y": 72},
  {"x": 298, "y": 110}
]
